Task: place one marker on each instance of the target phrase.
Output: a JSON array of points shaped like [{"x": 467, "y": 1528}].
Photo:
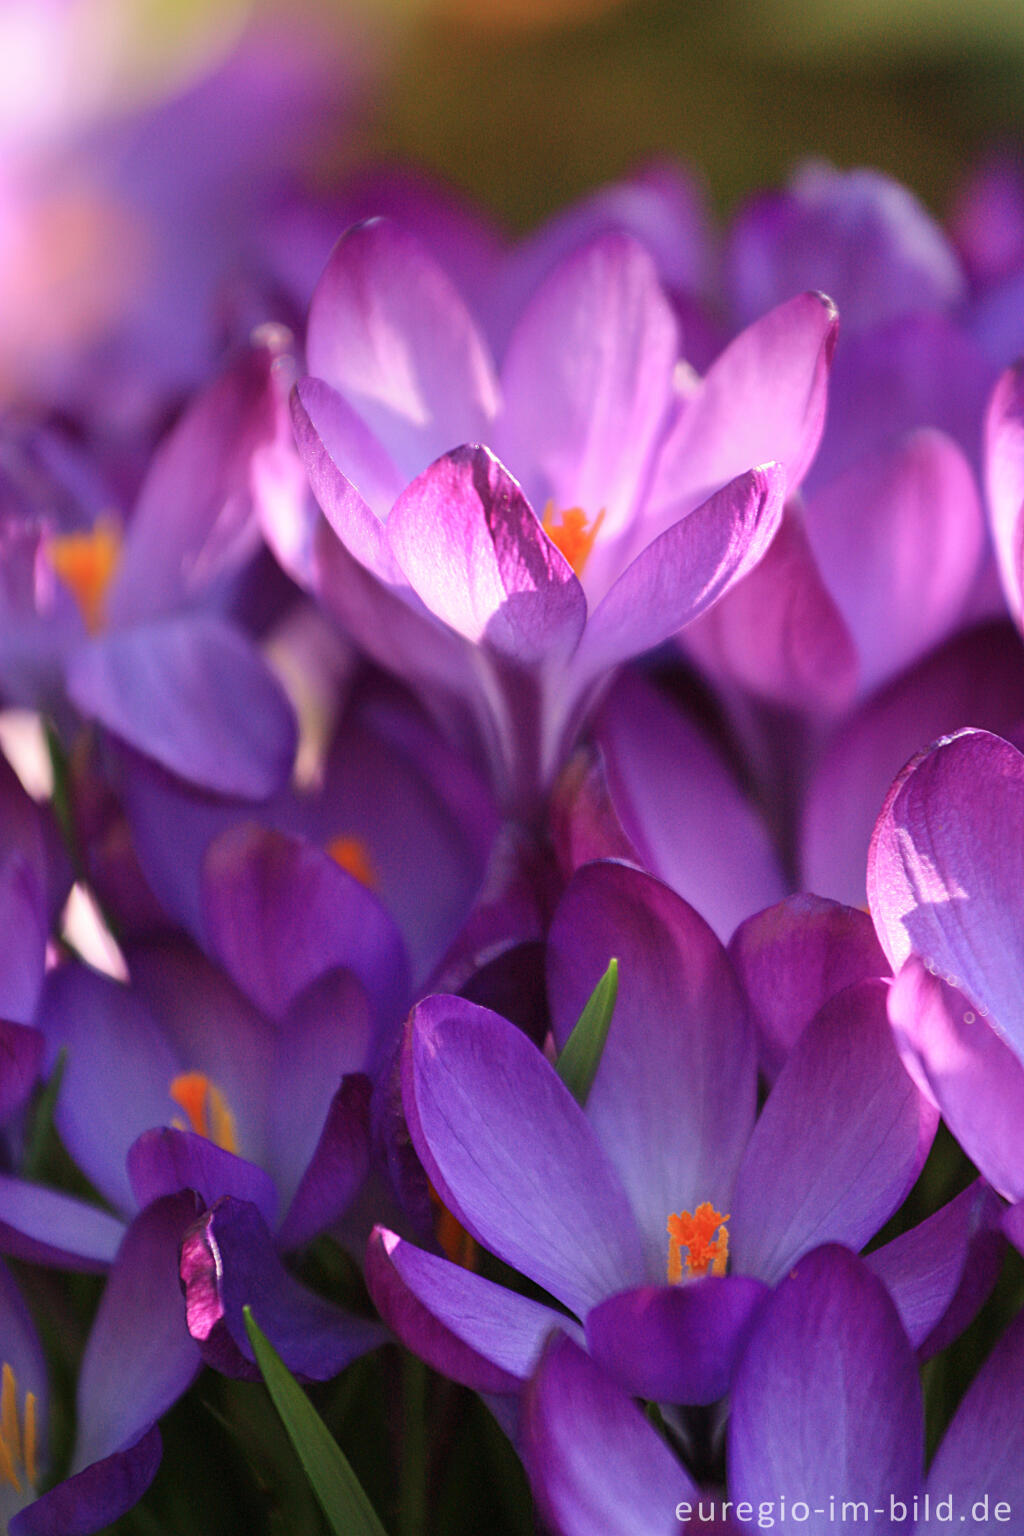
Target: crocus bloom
[
  {"x": 582, "y": 1201},
  {"x": 944, "y": 881},
  {"x": 613, "y": 502},
  {"x": 129, "y": 625},
  {"x": 825, "y": 1423}
]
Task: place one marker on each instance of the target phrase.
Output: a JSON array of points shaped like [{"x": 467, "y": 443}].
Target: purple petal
[
  {"x": 474, "y": 550},
  {"x": 900, "y": 535},
  {"x": 512, "y": 1155},
  {"x": 686, "y": 569},
  {"x": 946, "y": 872},
  {"x": 228, "y": 1261},
  {"x": 941, "y": 1271},
  {"x": 977, "y": 678},
  {"x": 792, "y": 958},
  {"x": 981, "y": 1457},
  {"x": 678, "y": 1343},
  {"x": 163, "y": 1162},
  {"x": 594, "y": 1462},
  {"x": 139, "y": 1358},
  {"x": 778, "y": 632},
  {"x": 45, "y": 1226},
  {"x": 21, "y": 1054},
  {"x": 96, "y": 1496},
  {"x": 280, "y": 913},
  {"x": 587, "y": 382},
  {"x": 464, "y": 1326},
  {"x": 389, "y": 331},
  {"x": 194, "y": 519},
  {"x": 335, "y": 1173},
  {"x": 673, "y": 1100},
  {"x": 966, "y": 1069},
  {"x": 117, "y": 1076},
  {"x": 839, "y": 1143},
  {"x": 1004, "y": 481},
  {"x": 858, "y": 235},
  {"x": 682, "y": 810},
  {"x": 350, "y": 474},
  {"x": 826, "y": 1403},
  {"x": 192, "y": 693},
  {"x": 762, "y": 400}
]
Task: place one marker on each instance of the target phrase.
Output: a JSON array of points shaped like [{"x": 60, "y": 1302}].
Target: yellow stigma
[
  {"x": 353, "y": 855},
  {"x": 17, "y": 1439},
  {"x": 85, "y": 563},
  {"x": 453, "y": 1239},
  {"x": 706, "y": 1254},
  {"x": 206, "y": 1108},
  {"x": 573, "y": 534}
]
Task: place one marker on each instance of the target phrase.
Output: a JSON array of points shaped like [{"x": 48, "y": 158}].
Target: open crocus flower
[
  {"x": 265, "y": 1120},
  {"x": 137, "y": 1361},
  {"x": 129, "y": 625},
  {"x": 668, "y": 1174},
  {"x": 615, "y": 498},
  {"x": 944, "y": 882},
  {"x": 826, "y": 1424}
]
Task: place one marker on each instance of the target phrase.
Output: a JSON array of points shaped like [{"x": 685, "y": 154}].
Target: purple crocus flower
[
  {"x": 580, "y": 1201},
  {"x": 633, "y": 505},
  {"x": 264, "y": 1119},
  {"x": 825, "y": 1424},
  {"x": 138, "y": 1360},
  {"x": 130, "y": 628},
  {"x": 945, "y": 890}
]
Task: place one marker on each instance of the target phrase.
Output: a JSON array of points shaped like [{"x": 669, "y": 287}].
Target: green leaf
[
  {"x": 348, "y": 1510},
  {"x": 580, "y": 1057}
]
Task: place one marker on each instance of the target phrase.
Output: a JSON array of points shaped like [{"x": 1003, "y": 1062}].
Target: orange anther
[
  {"x": 206, "y": 1108},
  {"x": 696, "y": 1232},
  {"x": 352, "y": 854},
  {"x": 85, "y": 563},
  {"x": 573, "y": 534}
]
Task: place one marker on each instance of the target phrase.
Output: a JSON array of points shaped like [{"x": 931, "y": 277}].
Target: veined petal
[
  {"x": 673, "y": 1100},
  {"x": 388, "y": 330},
  {"x": 193, "y": 693},
  {"x": 475, "y": 552},
  {"x": 967, "y": 1070},
  {"x": 946, "y": 872},
  {"x": 792, "y": 958},
  {"x": 687, "y": 568},
  {"x": 587, "y": 382},
  {"x": 1004, "y": 482},
  {"x": 594, "y": 1462},
  {"x": 512, "y": 1155},
  {"x": 676, "y": 1343},
  {"x": 839, "y": 1143},
  {"x": 762, "y": 400},
  {"x": 468, "y": 1328},
  {"x": 350, "y": 473},
  {"x": 826, "y": 1398}
]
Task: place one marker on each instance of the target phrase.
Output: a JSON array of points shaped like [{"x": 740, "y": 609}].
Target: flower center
[
  {"x": 206, "y": 1108},
  {"x": 85, "y": 563},
  {"x": 354, "y": 856},
  {"x": 17, "y": 1435},
  {"x": 573, "y": 533},
  {"x": 706, "y": 1253}
]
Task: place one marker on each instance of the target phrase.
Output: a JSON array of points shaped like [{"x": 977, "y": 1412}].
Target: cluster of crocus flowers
[{"x": 524, "y": 609}]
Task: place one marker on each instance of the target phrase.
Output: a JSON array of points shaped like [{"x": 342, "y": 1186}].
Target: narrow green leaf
[
  {"x": 580, "y": 1057},
  {"x": 348, "y": 1510}
]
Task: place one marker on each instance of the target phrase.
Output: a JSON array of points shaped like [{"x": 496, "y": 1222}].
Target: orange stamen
[
  {"x": 573, "y": 534},
  {"x": 206, "y": 1108},
  {"x": 85, "y": 563},
  {"x": 17, "y": 1451},
  {"x": 352, "y": 854},
  {"x": 696, "y": 1232}
]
